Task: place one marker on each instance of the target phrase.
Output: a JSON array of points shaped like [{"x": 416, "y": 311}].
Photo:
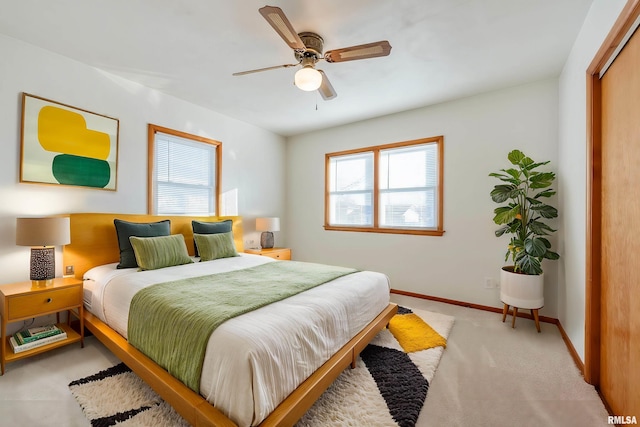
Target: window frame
[
  {"x": 151, "y": 164},
  {"x": 376, "y": 228}
]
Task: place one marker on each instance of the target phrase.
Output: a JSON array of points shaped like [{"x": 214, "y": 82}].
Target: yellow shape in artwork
[{"x": 63, "y": 131}]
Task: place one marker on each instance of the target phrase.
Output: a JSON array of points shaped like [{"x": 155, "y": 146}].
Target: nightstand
[
  {"x": 22, "y": 301},
  {"x": 283, "y": 254}
]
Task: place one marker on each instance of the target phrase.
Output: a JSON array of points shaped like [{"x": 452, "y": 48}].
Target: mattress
[{"x": 255, "y": 360}]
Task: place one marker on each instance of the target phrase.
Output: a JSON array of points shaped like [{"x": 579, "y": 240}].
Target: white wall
[
  {"x": 25, "y": 68},
  {"x": 478, "y": 133},
  {"x": 572, "y": 166}
]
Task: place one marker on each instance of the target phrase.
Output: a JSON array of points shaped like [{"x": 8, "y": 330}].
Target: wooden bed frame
[{"x": 94, "y": 242}]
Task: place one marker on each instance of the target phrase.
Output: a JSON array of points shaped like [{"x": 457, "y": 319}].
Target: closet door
[{"x": 620, "y": 232}]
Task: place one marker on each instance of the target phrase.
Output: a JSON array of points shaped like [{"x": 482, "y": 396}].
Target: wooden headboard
[{"x": 94, "y": 240}]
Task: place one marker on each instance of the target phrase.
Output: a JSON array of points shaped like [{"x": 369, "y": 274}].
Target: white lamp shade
[
  {"x": 49, "y": 231},
  {"x": 268, "y": 224},
  {"x": 308, "y": 79}
]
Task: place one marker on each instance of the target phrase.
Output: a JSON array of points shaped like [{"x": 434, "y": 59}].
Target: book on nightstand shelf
[
  {"x": 17, "y": 348},
  {"x": 36, "y": 333}
]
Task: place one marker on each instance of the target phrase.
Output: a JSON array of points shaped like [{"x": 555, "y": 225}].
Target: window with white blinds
[
  {"x": 351, "y": 189},
  {"x": 394, "y": 188},
  {"x": 185, "y": 170}
]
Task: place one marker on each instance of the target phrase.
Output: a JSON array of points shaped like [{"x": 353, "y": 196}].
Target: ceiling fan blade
[
  {"x": 363, "y": 51},
  {"x": 257, "y": 70},
  {"x": 278, "y": 20},
  {"x": 326, "y": 89}
]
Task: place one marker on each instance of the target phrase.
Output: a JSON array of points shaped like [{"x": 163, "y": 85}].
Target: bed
[{"x": 257, "y": 391}]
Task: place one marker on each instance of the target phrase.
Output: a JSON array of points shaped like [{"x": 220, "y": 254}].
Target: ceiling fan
[{"x": 307, "y": 48}]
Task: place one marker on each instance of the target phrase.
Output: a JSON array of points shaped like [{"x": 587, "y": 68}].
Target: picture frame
[{"x": 65, "y": 145}]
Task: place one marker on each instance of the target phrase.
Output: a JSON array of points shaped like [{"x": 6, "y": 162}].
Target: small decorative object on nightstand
[
  {"x": 22, "y": 301},
  {"x": 283, "y": 254},
  {"x": 42, "y": 234},
  {"x": 267, "y": 226}
]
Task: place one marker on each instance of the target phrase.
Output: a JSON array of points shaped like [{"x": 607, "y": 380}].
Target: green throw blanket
[{"x": 171, "y": 322}]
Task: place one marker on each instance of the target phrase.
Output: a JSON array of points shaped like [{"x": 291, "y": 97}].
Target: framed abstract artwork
[{"x": 64, "y": 145}]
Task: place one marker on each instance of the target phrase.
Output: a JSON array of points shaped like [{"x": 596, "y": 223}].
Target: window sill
[{"x": 386, "y": 230}]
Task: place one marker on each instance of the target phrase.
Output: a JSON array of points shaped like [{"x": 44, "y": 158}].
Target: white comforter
[{"x": 254, "y": 361}]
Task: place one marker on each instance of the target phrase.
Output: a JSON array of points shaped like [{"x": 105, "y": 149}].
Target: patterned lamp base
[
  {"x": 266, "y": 240},
  {"x": 43, "y": 265}
]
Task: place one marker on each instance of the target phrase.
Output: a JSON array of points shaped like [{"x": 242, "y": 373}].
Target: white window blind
[
  {"x": 408, "y": 185},
  {"x": 184, "y": 176},
  {"x": 351, "y": 189}
]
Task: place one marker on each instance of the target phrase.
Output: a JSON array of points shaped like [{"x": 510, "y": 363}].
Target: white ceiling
[{"x": 442, "y": 50}]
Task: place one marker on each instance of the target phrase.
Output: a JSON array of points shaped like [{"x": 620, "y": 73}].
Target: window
[
  {"x": 394, "y": 188},
  {"x": 184, "y": 173}
]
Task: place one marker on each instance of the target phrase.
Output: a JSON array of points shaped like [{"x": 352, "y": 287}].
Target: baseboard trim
[
  {"x": 572, "y": 349},
  {"x": 565, "y": 337},
  {"x": 472, "y": 305}
]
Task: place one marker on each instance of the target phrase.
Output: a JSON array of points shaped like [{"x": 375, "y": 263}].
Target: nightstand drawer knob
[{"x": 48, "y": 300}]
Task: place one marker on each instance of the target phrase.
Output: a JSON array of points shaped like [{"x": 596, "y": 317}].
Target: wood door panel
[{"x": 620, "y": 227}]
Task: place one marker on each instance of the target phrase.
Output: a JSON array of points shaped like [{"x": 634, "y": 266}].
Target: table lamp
[
  {"x": 42, "y": 234},
  {"x": 267, "y": 226}
]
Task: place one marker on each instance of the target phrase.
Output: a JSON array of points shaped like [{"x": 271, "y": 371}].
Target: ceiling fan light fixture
[{"x": 308, "y": 79}]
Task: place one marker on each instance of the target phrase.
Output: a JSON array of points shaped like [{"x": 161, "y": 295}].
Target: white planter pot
[{"x": 521, "y": 290}]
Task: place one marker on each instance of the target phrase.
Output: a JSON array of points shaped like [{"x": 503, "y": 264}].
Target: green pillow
[
  {"x": 201, "y": 227},
  {"x": 125, "y": 229},
  {"x": 214, "y": 246},
  {"x": 159, "y": 252}
]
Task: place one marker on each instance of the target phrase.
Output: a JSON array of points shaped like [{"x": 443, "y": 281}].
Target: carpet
[{"x": 387, "y": 388}]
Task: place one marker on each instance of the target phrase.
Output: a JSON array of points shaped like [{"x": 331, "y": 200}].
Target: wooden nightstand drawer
[
  {"x": 283, "y": 254},
  {"x": 34, "y": 304}
]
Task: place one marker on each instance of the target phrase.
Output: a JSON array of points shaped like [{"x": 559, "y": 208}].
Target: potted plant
[{"x": 523, "y": 188}]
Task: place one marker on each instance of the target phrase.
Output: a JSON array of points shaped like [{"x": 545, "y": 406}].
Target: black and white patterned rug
[{"x": 387, "y": 388}]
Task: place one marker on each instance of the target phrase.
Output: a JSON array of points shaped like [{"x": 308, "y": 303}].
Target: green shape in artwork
[{"x": 83, "y": 171}]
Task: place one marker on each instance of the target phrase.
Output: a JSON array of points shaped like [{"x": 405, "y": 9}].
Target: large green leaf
[
  {"x": 500, "y": 231},
  {"x": 533, "y": 201},
  {"x": 532, "y": 166},
  {"x": 545, "y": 211},
  {"x": 515, "y": 173},
  {"x": 543, "y": 176},
  {"x": 542, "y": 180},
  {"x": 546, "y": 242},
  {"x": 551, "y": 255},
  {"x": 515, "y": 156},
  {"x": 546, "y": 193},
  {"x": 505, "y": 215},
  {"x": 501, "y": 193},
  {"x": 528, "y": 264},
  {"x": 540, "y": 228},
  {"x": 505, "y": 178},
  {"x": 526, "y": 163},
  {"x": 535, "y": 246}
]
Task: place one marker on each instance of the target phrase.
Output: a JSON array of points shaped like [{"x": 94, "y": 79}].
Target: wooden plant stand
[{"x": 534, "y": 313}]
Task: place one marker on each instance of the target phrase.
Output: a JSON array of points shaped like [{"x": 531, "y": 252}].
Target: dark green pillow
[
  {"x": 126, "y": 229},
  {"x": 200, "y": 227},
  {"x": 215, "y": 246},
  {"x": 159, "y": 252}
]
